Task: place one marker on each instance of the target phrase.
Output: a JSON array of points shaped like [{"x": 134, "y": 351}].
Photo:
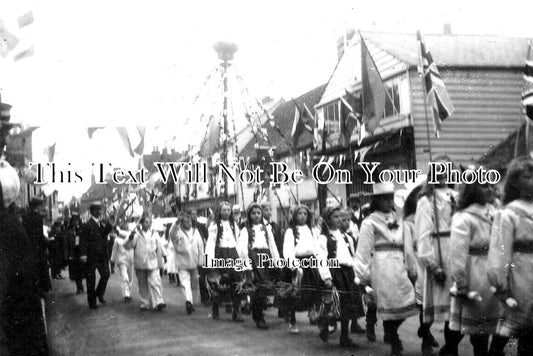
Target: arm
[
  {"x": 271, "y": 243},
  {"x": 460, "y": 238},
  {"x": 322, "y": 255},
  {"x": 199, "y": 247},
  {"x": 363, "y": 255},
  {"x": 242, "y": 243},
  {"x": 114, "y": 251},
  {"x": 424, "y": 225},
  {"x": 500, "y": 253},
  {"x": 288, "y": 246},
  {"x": 408, "y": 249},
  {"x": 84, "y": 237},
  {"x": 211, "y": 241}
]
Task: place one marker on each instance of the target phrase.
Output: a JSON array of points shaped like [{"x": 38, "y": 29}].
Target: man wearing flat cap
[
  {"x": 33, "y": 225},
  {"x": 94, "y": 252}
]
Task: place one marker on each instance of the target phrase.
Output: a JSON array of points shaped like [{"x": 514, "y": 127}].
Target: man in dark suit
[
  {"x": 33, "y": 225},
  {"x": 94, "y": 253}
]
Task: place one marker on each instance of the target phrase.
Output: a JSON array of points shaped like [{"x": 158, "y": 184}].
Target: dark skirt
[
  {"x": 224, "y": 290},
  {"x": 307, "y": 295},
  {"x": 351, "y": 305}
]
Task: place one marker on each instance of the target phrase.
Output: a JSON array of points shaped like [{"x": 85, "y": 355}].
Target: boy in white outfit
[
  {"x": 188, "y": 249},
  {"x": 123, "y": 259},
  {"x": 147, "y": 260}
]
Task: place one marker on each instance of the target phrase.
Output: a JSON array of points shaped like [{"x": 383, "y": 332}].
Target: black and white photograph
[{"x": 266, "y": 177}]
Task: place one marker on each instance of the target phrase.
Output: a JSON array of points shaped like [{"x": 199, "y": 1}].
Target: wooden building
[{"x": 483, "y": 75}]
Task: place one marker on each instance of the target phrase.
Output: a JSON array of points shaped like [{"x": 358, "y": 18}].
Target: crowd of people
[{"x": 458, "y": 255}]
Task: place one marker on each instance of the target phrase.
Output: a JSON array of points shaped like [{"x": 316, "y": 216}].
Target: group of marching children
[
  {"x": 459, "y": 257},
  {"x": 462, "y": 257}
]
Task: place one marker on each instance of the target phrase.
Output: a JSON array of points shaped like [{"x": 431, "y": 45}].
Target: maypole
[{"x": 225, "y": 51}]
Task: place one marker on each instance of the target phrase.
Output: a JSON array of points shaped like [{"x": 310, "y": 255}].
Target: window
[
  {"x": 394, "y": 94},
  {"x": 331, "y": 116}
]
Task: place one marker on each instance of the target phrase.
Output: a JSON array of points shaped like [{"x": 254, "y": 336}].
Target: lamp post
[{"x": 225, "y": 51}]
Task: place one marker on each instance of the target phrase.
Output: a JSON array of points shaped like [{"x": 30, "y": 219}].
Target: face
[
  {"x": 345, "y": 222},
  {"x": 194, "y": 215},
  {"x": 267, "y": 212},
  {"x": 301, "y": 217},
  {"x": 526, "y": 184},
  {"x": 385, "y": 203},
  {"x": 354, "y": 204},
  {"x": 186, "y": 223},
  {"x": 334, "y": 220},
  {"x": 95, "y": 212},
  {"x": 487, "y": 192},
  {"x": 256, "y": 215},
  {"x": 225, "y": 212},
  {"x": 147, "y": 222}
]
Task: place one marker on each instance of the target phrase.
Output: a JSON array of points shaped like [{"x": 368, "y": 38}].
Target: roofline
[{"x": 480, "y": 67}]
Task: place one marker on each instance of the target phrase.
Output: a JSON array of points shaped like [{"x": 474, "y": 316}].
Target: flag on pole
[
  {"x": 299, "y": 124},
  {"x": 140, "y": 147},
  {"x": 92, "y": 130},
  {"x": 124, "y": 136},
  {"x": 436, "y": 92},
  {"x": 527, "y": 94},
  {"x": 349, "y": 121},
  {"x": 374, "y": 92},
  {"x": 50, "y": 152},
  {"x": 8, "y": 41},
  {"x": 26, "y": 19}
]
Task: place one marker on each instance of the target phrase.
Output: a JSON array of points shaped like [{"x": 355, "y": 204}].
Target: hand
[
  {"x": 83, "y": 259},
  {"x": 511, "y": 302},
  {"x": 357, "y": 281},
  {"x": 328, "y": 283},
  {"x": 439, "y": 275}
]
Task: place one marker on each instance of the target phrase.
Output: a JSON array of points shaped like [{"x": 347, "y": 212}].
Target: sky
[{"x": 126, "y": 63}]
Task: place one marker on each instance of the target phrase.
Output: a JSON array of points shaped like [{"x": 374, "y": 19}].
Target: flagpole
[
  {"x": 527, "y": 120},
  {"x": 424, "y": 90}
]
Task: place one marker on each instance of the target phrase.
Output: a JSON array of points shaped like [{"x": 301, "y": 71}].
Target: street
[{"x": 122, "y": 329}]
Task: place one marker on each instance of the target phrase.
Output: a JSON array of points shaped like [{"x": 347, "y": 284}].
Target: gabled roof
[
  {"x": 283, "y": 117},
  {"x": 393, "y": 53},
  {"x": 455, "y": 50}
]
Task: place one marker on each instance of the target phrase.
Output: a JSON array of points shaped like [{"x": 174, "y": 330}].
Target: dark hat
[
  {"x": 95, "y": 204},
  {"x": 35, "y": 202}
]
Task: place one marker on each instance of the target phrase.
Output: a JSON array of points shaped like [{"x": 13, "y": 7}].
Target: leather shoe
[
  {"x": 237, "y": 318},
  {"x": 102, "y": 300},
  {"x": 347, "y": 342},
  {"x": 356, "y": 328},
  {"x": 93, "y": 306},
  {"x": 261, "y": 324}
]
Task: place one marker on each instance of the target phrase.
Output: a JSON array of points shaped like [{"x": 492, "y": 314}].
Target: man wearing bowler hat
[{"x": 94, "y": 253}]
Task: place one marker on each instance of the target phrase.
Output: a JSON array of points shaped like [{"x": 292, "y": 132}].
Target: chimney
[{"x": 447, "y": 29}]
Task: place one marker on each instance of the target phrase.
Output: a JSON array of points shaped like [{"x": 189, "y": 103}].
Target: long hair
[
  {"x": 294, "y": 214},
  {"x": 409, "y": 207},
  {"x": 219, "y": 208},
  {"x": 512, "y": 189},
  {"x": 249, "y": 213}
]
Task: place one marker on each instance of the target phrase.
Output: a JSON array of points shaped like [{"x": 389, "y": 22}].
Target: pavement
[{"x": 123, "y": 329}]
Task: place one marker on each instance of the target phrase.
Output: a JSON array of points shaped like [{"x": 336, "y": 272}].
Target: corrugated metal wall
[{"x": 487, "y": 109}]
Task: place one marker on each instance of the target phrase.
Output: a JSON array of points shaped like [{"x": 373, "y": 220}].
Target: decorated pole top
[{"x": 225, "y": 50}]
